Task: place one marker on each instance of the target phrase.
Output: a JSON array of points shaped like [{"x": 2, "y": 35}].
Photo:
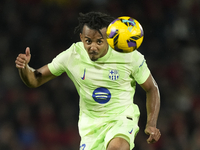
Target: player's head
[
  {"x": 94, "y": 20},
  {"x": 92, "y": 27}
]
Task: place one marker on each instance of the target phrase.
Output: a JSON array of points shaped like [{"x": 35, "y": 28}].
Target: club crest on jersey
[{"x": 113, "y": 74}]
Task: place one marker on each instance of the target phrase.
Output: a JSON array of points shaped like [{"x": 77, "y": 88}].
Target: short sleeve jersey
[{"x": 105, "y": 86}]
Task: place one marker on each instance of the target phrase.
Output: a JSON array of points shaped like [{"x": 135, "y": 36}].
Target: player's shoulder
[
  {"x": 66, "y": 53},
  {"x": 76, "y": 52},
  {"x": 74, "y": 48},
  {"x": 77, "y": 48},
  {"x": 79, "y": 44},
  {"x": 129, "y": 57},
  {"x": 137, "y": 55}
]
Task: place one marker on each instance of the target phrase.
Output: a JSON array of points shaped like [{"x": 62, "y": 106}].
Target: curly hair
[{"x": 94, "y": 20}]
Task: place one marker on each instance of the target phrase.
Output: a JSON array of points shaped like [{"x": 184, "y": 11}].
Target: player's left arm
[{"x": 153, "y": 108}]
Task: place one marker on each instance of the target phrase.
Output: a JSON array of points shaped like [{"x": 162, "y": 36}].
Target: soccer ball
[{"x": 125, "y": 34}]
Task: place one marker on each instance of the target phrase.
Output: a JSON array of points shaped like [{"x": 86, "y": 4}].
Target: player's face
[{"x": 95, "y": 44}]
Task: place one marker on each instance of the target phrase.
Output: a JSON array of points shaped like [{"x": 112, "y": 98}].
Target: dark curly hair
[{"x": 94, "y": 20}]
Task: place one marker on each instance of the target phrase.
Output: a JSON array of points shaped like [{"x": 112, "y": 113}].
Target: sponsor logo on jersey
[
  {"x": 101, "y": 95},
  {"x": 83, "y": 78},
  {"x": 113, "y": 75}
]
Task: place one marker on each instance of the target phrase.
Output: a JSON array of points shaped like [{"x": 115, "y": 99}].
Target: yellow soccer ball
[{"x": 125, "y": 34}]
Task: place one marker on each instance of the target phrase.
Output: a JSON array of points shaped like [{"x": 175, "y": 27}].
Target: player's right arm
[{"x": 31, "y": 77}]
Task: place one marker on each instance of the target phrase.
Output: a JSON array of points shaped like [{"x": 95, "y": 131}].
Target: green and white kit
[{"x": 106, "y": 88}]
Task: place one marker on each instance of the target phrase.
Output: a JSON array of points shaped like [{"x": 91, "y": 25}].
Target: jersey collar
[{"x": 105, "y": 57}]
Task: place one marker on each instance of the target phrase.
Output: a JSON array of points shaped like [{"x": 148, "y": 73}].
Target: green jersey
[{"x": 105, "y": 86}]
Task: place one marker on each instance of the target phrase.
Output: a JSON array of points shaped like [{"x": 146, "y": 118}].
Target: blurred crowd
[{"x": 46, "y": 118}]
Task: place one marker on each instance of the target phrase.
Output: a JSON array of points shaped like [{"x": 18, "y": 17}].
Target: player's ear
[{"x": 81, "y": 37}]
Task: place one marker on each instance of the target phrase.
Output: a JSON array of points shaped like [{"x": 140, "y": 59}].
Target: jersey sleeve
[
  {"x": 141, "y": 71},
  {"x": 60, "y": 62},
  {"x": 55, "y": 67}
]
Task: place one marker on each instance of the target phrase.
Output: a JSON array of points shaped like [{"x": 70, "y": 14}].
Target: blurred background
[{"x": 46, "y": 118}]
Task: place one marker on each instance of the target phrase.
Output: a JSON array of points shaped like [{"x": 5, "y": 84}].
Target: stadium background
[{"x": 46, "y": 118}]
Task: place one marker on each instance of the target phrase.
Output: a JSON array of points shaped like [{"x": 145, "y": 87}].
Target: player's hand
[
  {"x": 154, "y": 134},
  {"x": 23, "y": 59}
]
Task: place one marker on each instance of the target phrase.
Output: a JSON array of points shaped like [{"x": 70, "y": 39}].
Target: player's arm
[
  {"x": 32, "y": 77},
  {"x": 153, "y": 108}
]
